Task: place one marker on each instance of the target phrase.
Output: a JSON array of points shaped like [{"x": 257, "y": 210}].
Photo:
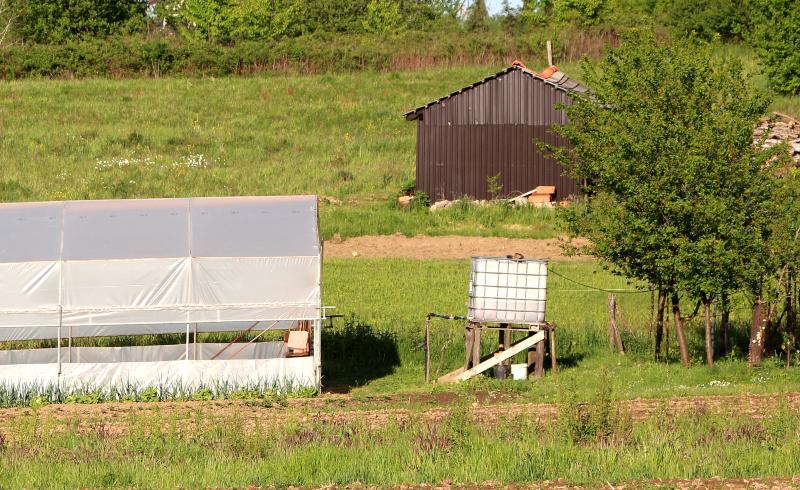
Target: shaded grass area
[
  {"x": 392, "y": 297},
  {"x": 587, "y": 444}
]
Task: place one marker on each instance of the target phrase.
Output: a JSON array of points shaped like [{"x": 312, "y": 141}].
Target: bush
[
  {"x": 777, "y": 39},
  {"x": 729, "y": 19},
  {"x": 141, "y": 55},
  {"x": 57, "y": 21}
]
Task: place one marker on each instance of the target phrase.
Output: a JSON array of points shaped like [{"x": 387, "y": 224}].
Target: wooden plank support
[
  {"x": 451, "y": 376},
  {"x": 497, "y": 359}
]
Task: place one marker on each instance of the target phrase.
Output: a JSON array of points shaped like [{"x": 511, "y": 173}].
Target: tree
[
  {"x": 7, "y": 17},
  {"x": 677, "y": 194},
  {"x": 777, "y": 38},
  {"x": 477, "y": 15}
]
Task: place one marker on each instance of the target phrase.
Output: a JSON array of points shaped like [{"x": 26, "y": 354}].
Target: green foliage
[
  {"x": 598, "y": 420},
  {"x": 729, "y": 19},
  {"x": 477, "y": 15},
  {"x": 493, "y": 185},
  {"x": 582, "y": 12},
  {"x": 203, "y": 394},
  {"x": 679, "y": 198},
  {"x": 777, "y": 38},
  {"x": 159, "y": 56},
  {"x": 57, "y": 21},
  {"x": 421, "y": 201},
  {"x": 149, "y": 394},
  {"x": 226, "y": 21},
  {"x": 382, "y": 16}
]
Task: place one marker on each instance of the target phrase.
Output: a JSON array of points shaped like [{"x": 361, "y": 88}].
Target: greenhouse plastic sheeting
[
  {"x": 100, "y": 265},
  {"x": 146, "y": 353},
  {"x": 286, "y": 373}
]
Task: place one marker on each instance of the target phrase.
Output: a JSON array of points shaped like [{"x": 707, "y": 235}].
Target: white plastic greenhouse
[{"x": 80, "y": 269}]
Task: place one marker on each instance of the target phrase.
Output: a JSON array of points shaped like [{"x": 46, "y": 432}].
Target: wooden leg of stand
[{"x": 539, "y": 371}]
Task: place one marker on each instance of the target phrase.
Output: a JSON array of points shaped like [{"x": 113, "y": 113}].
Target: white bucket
[{"x": 519, "y": 371}]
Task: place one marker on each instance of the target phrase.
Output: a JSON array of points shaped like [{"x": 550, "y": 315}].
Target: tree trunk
[
  {"x": 725, "y": 323},
  {"x": 758, "y": 334},
  {"x": 682, "y": 346},
  {"x": 709, "y": 335},
  {"x": 662, "y": 302}
]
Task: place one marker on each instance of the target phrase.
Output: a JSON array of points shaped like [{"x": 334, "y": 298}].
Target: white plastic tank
[{"x": 507, "y": 290}]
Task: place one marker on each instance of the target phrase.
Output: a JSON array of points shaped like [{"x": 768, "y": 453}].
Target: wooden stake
[
  {"x": 612, "y": 320},
  {"x": 428, "y": 350},
  {"x": 549, "y": 53},
  {"x": 614, "y": 338},
  {"x": 553, "y": 349}
]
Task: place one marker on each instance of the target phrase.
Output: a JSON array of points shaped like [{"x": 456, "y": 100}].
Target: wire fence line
[{"x": 594, "y": 288}]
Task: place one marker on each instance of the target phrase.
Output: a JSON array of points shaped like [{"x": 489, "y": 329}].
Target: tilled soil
[
  {"x": 115, "y": 419},
  {"x": 444, "y": 247},
  {"x": 696, "y": 483}
]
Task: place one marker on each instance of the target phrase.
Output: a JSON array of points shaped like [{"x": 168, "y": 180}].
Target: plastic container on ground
[{"x": 519, "y": 371}]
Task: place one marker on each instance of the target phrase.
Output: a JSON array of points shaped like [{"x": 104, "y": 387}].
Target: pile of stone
[{"x": 778, "y": 129}]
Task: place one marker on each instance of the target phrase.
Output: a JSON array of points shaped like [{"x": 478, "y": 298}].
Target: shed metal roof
[{"x": 551, "y": 76}]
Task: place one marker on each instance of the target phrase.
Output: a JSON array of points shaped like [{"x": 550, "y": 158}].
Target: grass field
[
  {"x": 392, "y": 297},
  {"x": 337, "y": 135},
  {"x": 343, "y": 136}
]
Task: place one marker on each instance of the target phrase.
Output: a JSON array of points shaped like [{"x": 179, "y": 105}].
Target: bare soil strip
[
  {"x": 114, "y": 419},
  {"x": 696, "y": 483},
  {"x": 444, "y": 247}
]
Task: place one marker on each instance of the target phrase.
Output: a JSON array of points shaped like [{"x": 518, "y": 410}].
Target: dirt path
[
  {"x": 443, "y": 247},
  {"x": 115, "y": 419},
  {"x": 696, "y": 483}
]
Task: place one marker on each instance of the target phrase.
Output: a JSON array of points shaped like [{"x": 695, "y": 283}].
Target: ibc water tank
[{"x": 507, "y": 290}]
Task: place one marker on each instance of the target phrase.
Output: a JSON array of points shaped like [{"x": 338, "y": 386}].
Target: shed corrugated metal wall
[{"x": 487, "y": 130}]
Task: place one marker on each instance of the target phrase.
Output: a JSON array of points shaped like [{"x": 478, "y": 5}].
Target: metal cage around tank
[{"x": 507, "y": 290}]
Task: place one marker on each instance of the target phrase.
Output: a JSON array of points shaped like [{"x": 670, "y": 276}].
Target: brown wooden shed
[{"x": 489, "y": 128}]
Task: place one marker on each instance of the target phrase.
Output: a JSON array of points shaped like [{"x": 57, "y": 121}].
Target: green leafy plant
[{"x": 493, "y": 185}]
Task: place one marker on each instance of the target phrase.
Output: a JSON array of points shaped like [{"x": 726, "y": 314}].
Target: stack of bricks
[{"x": 542, "y": 195}]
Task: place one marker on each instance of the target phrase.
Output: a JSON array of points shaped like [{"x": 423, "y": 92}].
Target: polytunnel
[{"x": 141, "y": 267}]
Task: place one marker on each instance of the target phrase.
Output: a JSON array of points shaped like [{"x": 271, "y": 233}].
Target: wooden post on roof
[{"x": 549, "y": 54}]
